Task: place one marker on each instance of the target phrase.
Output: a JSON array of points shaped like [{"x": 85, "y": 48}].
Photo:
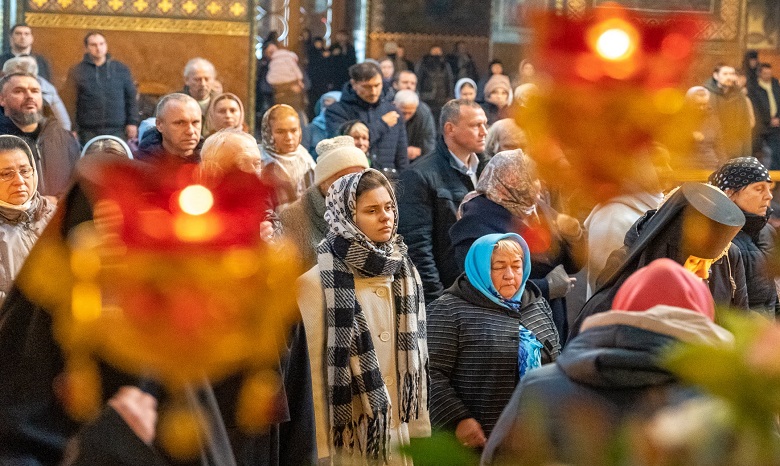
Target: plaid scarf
[{"x": 353, "y": 368}]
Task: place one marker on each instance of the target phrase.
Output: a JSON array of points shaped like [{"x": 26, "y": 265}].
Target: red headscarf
[{"x": 664, "y": 281}]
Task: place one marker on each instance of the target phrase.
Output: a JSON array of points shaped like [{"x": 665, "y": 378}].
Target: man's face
[
  {"x": 408, "y": 110},
  {"x": 22, "y": 100},
  {"x": 369, "y": 90},
  {"x": 471, "y": 129},
  {"x": 407, "y": 81},
  {"x": 200, "y": 81},
  {"x": 179, "y": 124},
  {"x": 765, "y": 74},
  {"x": 22, "y": 37},
  {"x": 97, "y": 47},
  {"x": 726, "y": 76}
]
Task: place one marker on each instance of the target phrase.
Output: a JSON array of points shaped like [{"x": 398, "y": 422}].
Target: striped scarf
[{"x": 353, "y": 368}]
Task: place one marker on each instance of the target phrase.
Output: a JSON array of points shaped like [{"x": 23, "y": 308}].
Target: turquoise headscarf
[{"x": 478, "y": 268}]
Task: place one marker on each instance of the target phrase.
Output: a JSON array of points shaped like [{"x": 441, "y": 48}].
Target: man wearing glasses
[{"x": 54, "y": 149}]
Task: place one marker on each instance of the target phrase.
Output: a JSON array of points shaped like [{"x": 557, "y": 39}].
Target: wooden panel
[{"x": 156, "y": 59}]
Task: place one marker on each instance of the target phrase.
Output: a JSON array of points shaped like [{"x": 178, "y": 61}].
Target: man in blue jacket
[
  {"x": 104, "y": 93},
  {"x": 364, "y": 99}
]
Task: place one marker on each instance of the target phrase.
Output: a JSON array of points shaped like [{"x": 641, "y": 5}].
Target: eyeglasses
[{"x": 8, "y": 175}]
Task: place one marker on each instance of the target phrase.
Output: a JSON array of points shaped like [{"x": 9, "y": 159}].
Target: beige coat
[{"x": 375, "y": 297}]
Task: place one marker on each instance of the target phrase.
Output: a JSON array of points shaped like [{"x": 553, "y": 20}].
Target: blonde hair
[
  {"x": 509, "y": 246},
  {"x": 228, "y": 149},
  {"x": 360, "y": 127}
]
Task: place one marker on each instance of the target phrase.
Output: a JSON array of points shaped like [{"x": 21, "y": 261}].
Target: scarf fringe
[{"x": 372, "y": 434}]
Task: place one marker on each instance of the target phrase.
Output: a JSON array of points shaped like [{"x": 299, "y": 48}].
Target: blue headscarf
[
  {"x": 478, "y": 268},
  {"x": 319, "y": 109}
]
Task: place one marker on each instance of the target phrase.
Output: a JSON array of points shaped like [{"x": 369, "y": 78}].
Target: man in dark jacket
[
  {"x": 56, "y": 151},
  {"x": 437, "y": 84},
  {"x": 363, "y": 98},
  {"x": 731, "y": 106},
  {"x": 746, "y": 182},
  {"x": 765, "y": 95},
  {"x": 176, "y": 138},
  {"x": 431, "y": 191},
  {"x": 103, "y": 92},
  {"x": 612, "y": 371},
  {"x": 21, "y": 39},
  {"x": 694, "y": 227},
  {"x": 420, "y": 127}
]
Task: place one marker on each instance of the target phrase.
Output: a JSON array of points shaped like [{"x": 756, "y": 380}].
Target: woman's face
[
  {"x": 499, "y": 97},
  {"x": 387, "y": 69},
  {"x": 286, "y": 132},
  {"x": 467, "y": 92},
  {"x": 16, "y": 177},
  {"x": 506, "y": 273},
  {"x": 228, "y": 114},
  {"x": 375, "y": 215},
  {"x": 361, "y": 139},
  {"x": 754, "y": 198}
]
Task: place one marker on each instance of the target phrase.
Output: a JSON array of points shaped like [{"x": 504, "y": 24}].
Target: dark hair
[
  {"x": 363, "y": 71},
  {"x": 347, "y": 126},
  {"x": 450, "y": 112},
  {"x": 9, "y": 143},
  {"x": 5, "y": 79},
  {"x": 20, "y": 25},
  {"x": 764, "y": 65},
  {"x": 496, "y": 61},
  {"x": 92, "y": 33},
  {"x": 370, "y": 180}
]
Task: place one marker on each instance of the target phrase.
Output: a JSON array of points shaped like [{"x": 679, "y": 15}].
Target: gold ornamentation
[
  {"x": 412, "y": 37},
  {"x": 90, "y": 4},
  {"x": 164, "y": 6},
  {"x": 140, "y": 5},
  {"x": 40, "y": 3},
  {"x": 214, "y": 8},
  {"x": 189, "y": 7},
  {"x": 116, "y": 4},
  {"x": 64, "y": 3},
  {"x": 130, "y": 23},
  {"x": 237, "y": 9}
]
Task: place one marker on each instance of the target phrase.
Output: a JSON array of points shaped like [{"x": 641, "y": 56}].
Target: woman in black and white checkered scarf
[{"x": 362, "y": 242}]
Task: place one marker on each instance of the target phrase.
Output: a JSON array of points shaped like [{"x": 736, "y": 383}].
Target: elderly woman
[
  {"x": 24, "y": 213},
  {"x": 498, "y": 96},
  {"x": 747, "y": 182},
  {"x": 483, "y": 334},
  {"x": 364, "y": 313},
  {"x": 224, "y": 111},
  {"x": 287, "y": 165},
  {"x": 508, "y": 200}
]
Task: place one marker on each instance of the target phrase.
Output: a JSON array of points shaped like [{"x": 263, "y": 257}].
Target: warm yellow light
[
  {"x": 614, "y": 44},
  {"x": 196, "y": 200}
]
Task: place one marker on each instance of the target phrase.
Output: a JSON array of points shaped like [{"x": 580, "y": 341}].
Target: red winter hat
[{"x": 664, "y": 281}]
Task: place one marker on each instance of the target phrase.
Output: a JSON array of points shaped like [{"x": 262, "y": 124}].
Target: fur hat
[{"x": 336, "y": 154}]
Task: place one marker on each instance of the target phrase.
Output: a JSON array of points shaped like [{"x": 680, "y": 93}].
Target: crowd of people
[{"x": 438, "y": 262}]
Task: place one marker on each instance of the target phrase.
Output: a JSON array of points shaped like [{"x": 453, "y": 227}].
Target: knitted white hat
[{"x": 336, "y": 154}]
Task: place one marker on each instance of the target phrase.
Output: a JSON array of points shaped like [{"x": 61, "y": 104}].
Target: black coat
[
  {"x": 34, "y": 428},
  {"x": 421, "y": 129},
  {"x": 481, "y": 217},
  {"x": 655, "y": 235},
  {"x": 387, "y": 142},
  {"x": 608, "y": 373},
  {"x": 760, "y": 100},
  {"x": 429, "y": 194},
  {"x": 756, "y": 242},
  {"x": 105, "y": 95}
]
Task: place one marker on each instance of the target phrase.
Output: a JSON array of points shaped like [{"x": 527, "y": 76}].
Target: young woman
[
  {"x": 287, "y": 166},
  {"x": 364, "y": 313},
  {"x": 484, "y": 333},
  {"x": 225, "y": 111}
]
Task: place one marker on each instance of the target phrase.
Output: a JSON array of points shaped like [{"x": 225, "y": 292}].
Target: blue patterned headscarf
[{"x": 478, "y": 268}]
